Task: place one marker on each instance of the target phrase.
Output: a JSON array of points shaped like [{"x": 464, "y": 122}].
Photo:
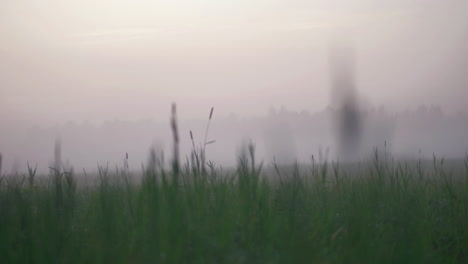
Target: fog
[
  {"x": 101, "y": 76},
  {"x": 281, "y": 135}
]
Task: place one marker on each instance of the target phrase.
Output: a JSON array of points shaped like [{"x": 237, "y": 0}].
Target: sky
[{"x": 96, "y": 60}]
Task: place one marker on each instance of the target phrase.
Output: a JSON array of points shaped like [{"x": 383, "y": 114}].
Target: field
[{"x": 382, "y": 211}]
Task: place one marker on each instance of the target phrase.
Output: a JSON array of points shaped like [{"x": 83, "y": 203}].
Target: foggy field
[
  {"x": 382, "y": 211},
  {"x": 340, "y": 133}
]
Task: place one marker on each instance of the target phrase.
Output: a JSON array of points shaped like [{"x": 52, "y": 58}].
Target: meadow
[
  {"x": 381, "y": 211},
  {"x": 376, "y": 211}
]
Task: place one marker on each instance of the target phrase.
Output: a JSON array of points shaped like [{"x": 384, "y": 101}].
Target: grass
[
  {"x": 382, "y": 212},
  {"x": 376, "y": 212}
]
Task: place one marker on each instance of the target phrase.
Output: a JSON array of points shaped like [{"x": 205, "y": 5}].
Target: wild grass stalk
[{"x": 198, "y": 160}]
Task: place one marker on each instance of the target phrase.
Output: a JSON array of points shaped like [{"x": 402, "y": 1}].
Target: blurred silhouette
[
  {"x": 344, "y": 100},
  {"x": 58, "y": 155}
]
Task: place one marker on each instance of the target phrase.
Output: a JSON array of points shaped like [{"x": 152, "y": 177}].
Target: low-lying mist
[{"x": 281, "y": 135}]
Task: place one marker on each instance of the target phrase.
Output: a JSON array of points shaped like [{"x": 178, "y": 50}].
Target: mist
[
  {"x": 282, "y": 136},
  {"x": 101, "y": 76}
]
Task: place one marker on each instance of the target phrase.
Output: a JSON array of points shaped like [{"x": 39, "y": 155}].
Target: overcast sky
[{"x": 129, "y": 59}]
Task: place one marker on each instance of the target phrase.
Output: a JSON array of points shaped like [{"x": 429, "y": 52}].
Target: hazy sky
[{"x": 129, "y": 59}]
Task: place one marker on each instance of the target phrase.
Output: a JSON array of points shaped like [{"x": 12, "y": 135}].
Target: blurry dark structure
[
  {"x": 58, "y": 155},
  {"x": 344, "y": 100}
]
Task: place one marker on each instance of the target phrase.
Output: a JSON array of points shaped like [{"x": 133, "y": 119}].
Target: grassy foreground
[{"x": 382, "y": 213}]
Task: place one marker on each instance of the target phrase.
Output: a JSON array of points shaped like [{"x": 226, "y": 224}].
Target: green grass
[{"x": 381, "y": 212}]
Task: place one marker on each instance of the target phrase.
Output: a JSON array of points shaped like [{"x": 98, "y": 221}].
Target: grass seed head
[{"x": 211, "y": 112}]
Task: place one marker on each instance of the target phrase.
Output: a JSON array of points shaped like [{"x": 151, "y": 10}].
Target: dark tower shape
[
  {"x": 58, "y": 155},
  {"x": 344, "y": 100}
]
